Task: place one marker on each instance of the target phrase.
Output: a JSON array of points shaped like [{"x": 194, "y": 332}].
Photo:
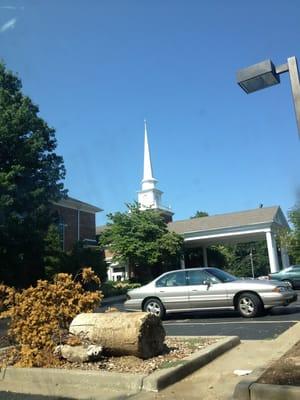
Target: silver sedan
[{"x": 208, "y": 288}]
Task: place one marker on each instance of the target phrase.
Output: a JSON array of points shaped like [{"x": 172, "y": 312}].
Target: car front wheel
[
  {"x": 249, "y": 305},
  {"x": 154, "y": 306}
]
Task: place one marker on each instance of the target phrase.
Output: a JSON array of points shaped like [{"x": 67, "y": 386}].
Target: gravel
[{"x": 176, "y": 349}]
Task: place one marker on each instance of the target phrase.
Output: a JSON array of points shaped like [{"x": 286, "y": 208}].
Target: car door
[
  {"x": 172, "y": 290},
  {"x": 206, "y": 291}
]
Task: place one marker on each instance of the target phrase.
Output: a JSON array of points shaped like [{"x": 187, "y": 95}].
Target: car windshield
[{"x": 221, "y": 275}]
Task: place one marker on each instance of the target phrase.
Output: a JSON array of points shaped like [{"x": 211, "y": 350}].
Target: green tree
[
  {"x": 57, "y": 261},
  {"x": 293, "y": 238},
  {"x": 200, "y": 214},
  {"x": 54, "y": 257},
  {"x": 85, "y": 257},
  {"x": 31, "y": 175},
  {"x": 141, "y": 240},
  {"x": 238, "y": 259}
]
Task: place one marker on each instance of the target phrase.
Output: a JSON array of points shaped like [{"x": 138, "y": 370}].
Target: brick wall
[
  {"x": 70, "y": 220},
  {"x": 87, "y": 225}
]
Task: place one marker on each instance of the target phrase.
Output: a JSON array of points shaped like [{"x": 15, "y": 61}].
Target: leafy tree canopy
[
  {"x": 141, "y": 238},
  {"x": 293, "y": 239},
  {"x": 31, "y": 175},
  {"x": 238, "y": 258},
  {"x": 200, "y": 214}
]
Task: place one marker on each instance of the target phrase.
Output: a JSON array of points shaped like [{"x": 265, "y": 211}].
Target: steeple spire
[
  {"x": 150, "y": 197},
  {"x": 148, "y": 181}
]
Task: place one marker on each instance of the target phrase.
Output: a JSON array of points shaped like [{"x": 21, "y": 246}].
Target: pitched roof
[
  {"x": 70, "y": 202},
  {"x": 235, "y": 219}
]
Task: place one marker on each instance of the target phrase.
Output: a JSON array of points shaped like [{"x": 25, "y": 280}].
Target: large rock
[
  {"x": 138, "y": 333},
  {"x": 79, "y": 353}
]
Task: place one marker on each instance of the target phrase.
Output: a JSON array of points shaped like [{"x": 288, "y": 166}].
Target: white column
[
  {"x": 126, "y": 271},
  {"x": 284, "y": 257},
  {"x": 182, "y": 262},
  {"x": 109, "y": 273},
  {"x": 272, "y": 251},
  {"x": 205, "y": 260}
]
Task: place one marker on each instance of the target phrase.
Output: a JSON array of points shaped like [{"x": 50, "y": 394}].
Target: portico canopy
[{"x": 238, "y": 227}]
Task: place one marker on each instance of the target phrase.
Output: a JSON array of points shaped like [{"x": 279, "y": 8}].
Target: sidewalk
[{"x": 216, "y": 381}]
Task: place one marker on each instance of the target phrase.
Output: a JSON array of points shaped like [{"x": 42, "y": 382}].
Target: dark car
[{"x": 290, "y": 275}]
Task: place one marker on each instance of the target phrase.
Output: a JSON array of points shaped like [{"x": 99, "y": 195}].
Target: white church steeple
[
  {"x": 148, "y": 182},
  {"x": 150, "y": 196}
]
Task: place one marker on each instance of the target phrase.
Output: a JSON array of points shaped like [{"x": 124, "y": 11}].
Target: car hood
[
  {"x": 259, "y": 282},
  {"x": 141, "y": 289}
]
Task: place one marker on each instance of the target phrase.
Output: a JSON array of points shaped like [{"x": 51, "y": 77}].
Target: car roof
[{"x": 188, "y": 269}]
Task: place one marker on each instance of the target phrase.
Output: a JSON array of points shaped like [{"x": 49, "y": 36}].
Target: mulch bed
[
  {"x": 286, "y": 370},
  {"x": 175, "y": 350}
]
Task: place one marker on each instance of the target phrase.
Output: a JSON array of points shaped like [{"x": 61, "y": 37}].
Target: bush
[
  {"x": 113, "y": 288},
  {"x": 41, "y": 315},
  {"x": 57, "y": 261}
]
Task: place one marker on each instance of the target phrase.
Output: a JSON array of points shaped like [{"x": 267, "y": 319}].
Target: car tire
[
  {"x": 290, "y": 282},
  {"x": 249, "y": 305},
  {"x": 154, "y": 306}
]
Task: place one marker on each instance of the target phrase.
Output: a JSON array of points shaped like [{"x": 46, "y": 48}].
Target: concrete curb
[
  {"x": 249, "y": 389},
  {"x": 162, "y": 378},
  {"x": 61, "y": 383}
]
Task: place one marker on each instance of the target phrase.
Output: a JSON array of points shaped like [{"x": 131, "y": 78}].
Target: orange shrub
[{"x": 39, "y": 315}]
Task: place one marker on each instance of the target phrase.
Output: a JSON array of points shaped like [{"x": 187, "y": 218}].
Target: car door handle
[
  {"x": 161, "y": 291},
  {"x": 194, "y": 290}
]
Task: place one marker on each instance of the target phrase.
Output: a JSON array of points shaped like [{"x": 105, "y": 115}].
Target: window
[
  {"x": 294, "y": 267},
  {"x": 61, "y": 232},
  {"x": 198, "y": 277},
  {"x": 172, "y": 279},
  {"x": 220, "y": 276}
]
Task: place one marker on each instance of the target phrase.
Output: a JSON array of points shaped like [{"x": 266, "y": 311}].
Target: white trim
[
  {"x": 65, "y": 203},
  {"x": 224, "y": 234}
]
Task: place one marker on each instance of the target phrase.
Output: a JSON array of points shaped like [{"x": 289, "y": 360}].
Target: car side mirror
[{"x": 207, "y": 283}]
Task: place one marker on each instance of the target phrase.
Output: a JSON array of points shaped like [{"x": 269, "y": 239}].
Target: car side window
[
  {"x": 172, "y": 279},
  {"x": 198, "y": 277}
]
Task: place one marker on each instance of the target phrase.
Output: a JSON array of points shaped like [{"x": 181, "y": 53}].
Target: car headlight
[{"x": 280, "y": 289}]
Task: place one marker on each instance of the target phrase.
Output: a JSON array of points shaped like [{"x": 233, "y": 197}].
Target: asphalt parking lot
[
  {"x": 228, "y": 323},
  {"x": 224, "y": 323}
]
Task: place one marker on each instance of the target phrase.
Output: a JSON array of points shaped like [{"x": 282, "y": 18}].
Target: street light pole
[
  {"x": 294, "y": 76},
  {"x": 265, "y": 74}
]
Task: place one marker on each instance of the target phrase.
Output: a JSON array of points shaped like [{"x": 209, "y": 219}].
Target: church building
[{"x": 231, "y": 228}]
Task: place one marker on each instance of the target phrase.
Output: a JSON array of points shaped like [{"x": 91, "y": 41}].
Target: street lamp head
[{"x": 258, "y": 76}]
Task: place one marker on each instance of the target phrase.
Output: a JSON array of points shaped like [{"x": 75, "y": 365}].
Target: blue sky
[{"x": 97, "y": 68}]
